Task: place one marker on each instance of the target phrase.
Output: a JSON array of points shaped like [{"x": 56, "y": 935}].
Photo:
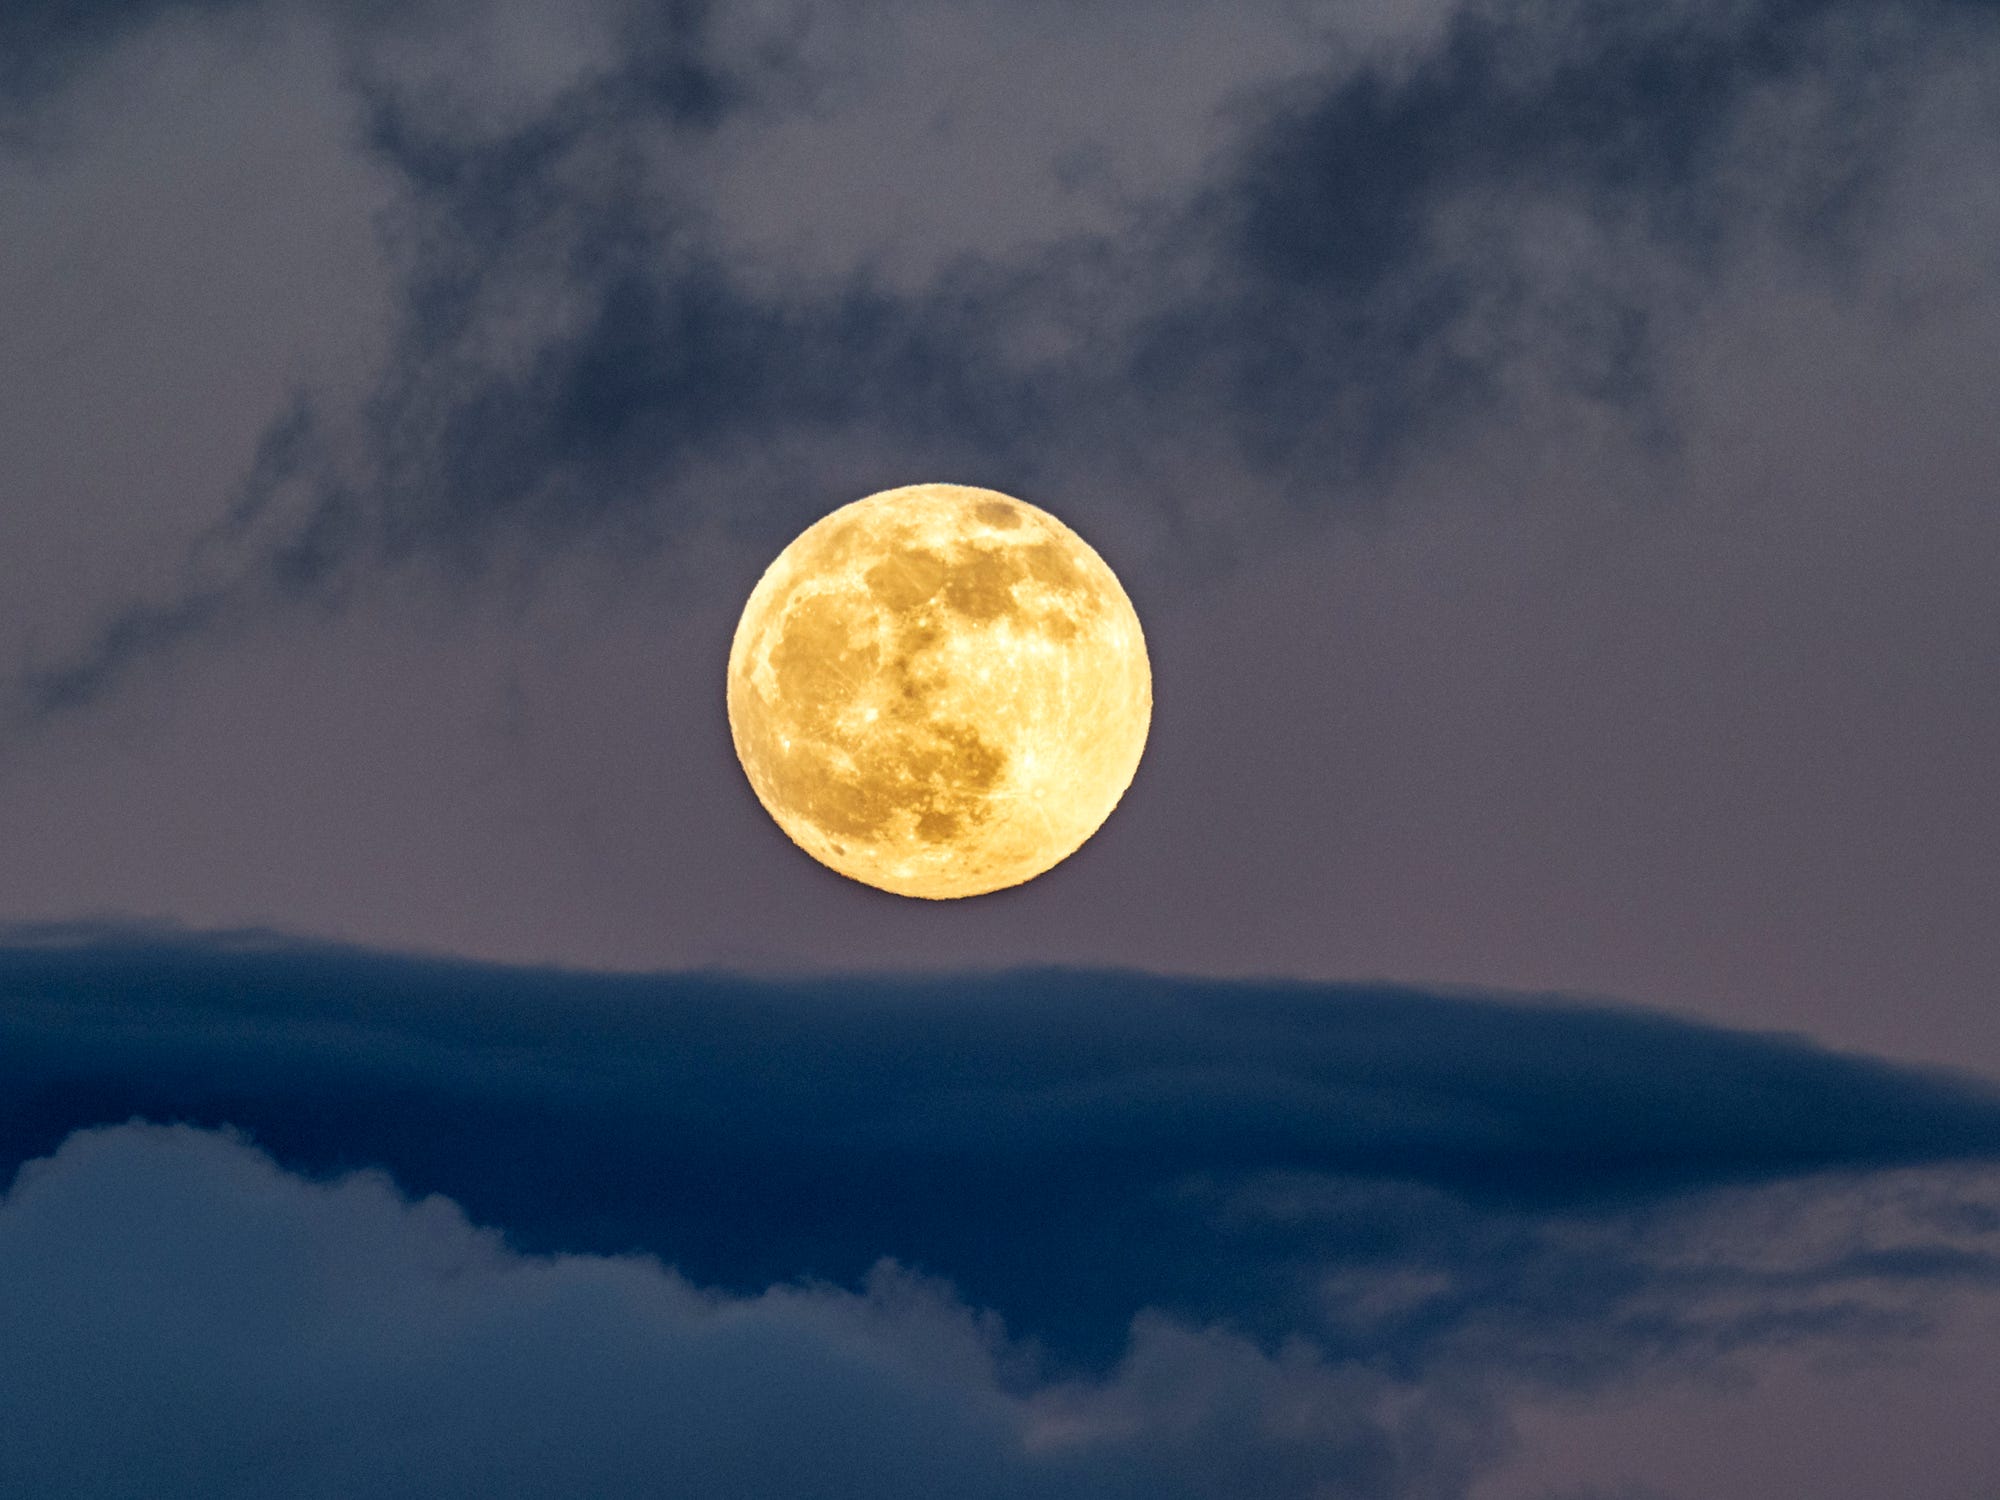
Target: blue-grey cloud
[
  {"x": 42, "y": 41},
  {"x": 1387, "y": 252},
  {"x": 1023, "y": 1234},
  {"x": 1359, "y": 272},
  {"x": 1070, "y": 1150},
  {"x": 185, "y": 1320}
]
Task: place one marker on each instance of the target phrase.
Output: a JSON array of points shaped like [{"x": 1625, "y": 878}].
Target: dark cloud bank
[{"x": 1031, "y": 1233}]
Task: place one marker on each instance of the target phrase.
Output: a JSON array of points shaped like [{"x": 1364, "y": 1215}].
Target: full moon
[{"x": 939, "y": 691}]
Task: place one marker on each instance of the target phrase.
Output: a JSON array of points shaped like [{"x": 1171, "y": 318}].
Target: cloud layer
[
  {"x": 1023, "y": 1234},
  {"x": 752, "y": 1132}
]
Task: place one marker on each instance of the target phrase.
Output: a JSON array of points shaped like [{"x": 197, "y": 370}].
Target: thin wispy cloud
[{"x": 1522, "y": 208}]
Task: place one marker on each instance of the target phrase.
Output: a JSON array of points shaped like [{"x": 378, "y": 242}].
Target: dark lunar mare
[{"x": 1068, "y": 1148}]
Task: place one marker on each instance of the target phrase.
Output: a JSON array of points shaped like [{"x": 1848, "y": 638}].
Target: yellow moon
[{"x": 939, "y": 691}]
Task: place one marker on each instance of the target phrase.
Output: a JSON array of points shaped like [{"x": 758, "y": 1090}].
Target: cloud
[
  {"x": 1029, "y": 1234},
  {"x": 186, "y": 1319},
  {"x": 1383, "y": 1169},
  {"x": 44, "y": 41},
  {"x": 1386, "y": 248},
  {"x": 1516, "y": 211}
]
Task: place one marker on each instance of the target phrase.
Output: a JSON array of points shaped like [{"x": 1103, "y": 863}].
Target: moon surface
[{"x": 939, "y": 691}]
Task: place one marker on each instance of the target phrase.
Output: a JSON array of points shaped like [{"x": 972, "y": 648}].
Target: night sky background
[{"x": 1526, "y": 1034}]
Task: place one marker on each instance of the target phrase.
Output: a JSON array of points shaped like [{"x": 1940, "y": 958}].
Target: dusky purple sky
[
  {"x": 1551, "y": 449},
  {"x": 1680, "y": 689}
]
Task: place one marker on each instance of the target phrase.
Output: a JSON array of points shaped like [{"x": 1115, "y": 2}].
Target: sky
[{"x": 1528, "y": 1032}]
